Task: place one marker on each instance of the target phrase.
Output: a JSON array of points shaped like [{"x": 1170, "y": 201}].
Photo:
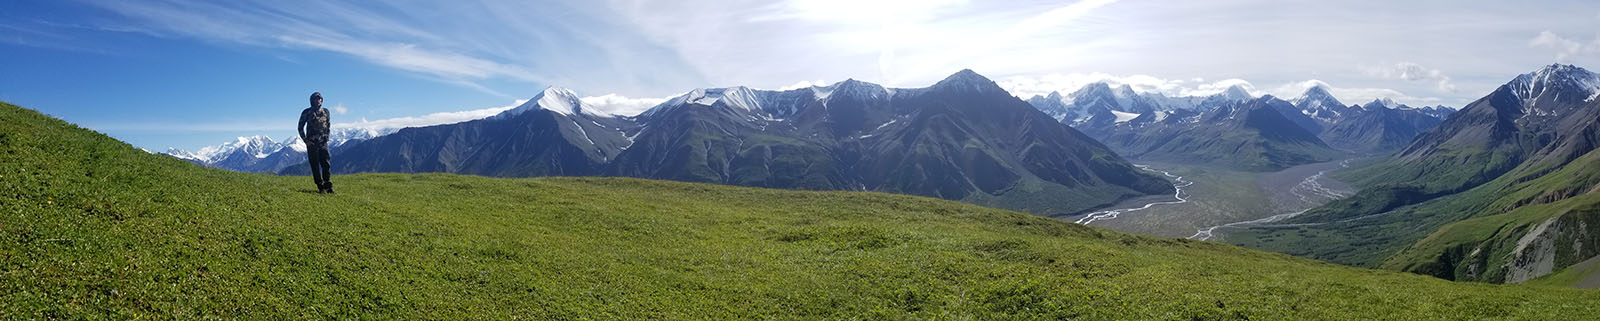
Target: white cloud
[
  {"x": 804, "y": 84},
  {"x": 1029, "y": 86},
  {"x": 430, "y": 119},
  {"x": 1212, "y": 88},
  {"x": 1411, "y": 71},
  {"x": 1352, "y": 95},
  {"x": 1565, "y": 49},
  {"x": 619, "y": 105},
  {"x": 339, "y": 109}
]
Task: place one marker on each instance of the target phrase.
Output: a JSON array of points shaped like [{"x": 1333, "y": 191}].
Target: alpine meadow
[{"x": 799, "y": 160}]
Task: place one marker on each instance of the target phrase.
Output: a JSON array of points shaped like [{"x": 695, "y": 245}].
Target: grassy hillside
[
  {"x": 1482, "y": 247},
  {"x": 1473, "y": 235},
  {"x": 93, "y": 228}
]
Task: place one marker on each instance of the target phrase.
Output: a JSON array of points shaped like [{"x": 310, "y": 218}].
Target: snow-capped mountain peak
[
  {"x": 258, "y": 146},
  {"x": 296, "y": 144},
  {"x": 1236, "y": 93},
  {"x": 739, "y": 97},
  {"x": 1317, "y": 93},
  {"x": 179, "y": 153},
  {"x": 1318, "y": 102},
  {"x": 1557, "y": 79},
  {"x": 1384, "y": 102},
  {"x": 262, "y": 147},
  {"x": 560, "y": 100}
]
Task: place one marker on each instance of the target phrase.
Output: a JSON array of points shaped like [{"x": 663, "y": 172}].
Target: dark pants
[{"x": 318, "y": 154}]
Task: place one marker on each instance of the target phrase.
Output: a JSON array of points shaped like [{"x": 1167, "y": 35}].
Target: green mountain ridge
[
  {"x": 93, "y": 228},
  {"x": 1503, "y": 191}
]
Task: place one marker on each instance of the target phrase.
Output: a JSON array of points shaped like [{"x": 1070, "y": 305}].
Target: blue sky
[{"x": 177, "y": 73}]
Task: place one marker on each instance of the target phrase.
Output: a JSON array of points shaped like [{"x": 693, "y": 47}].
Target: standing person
[{"x": 314, "y": 130}]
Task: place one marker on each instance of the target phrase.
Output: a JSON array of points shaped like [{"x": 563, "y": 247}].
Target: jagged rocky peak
[
  {"x": 853, "y": 88},
  {"x": 1384, "y": 102},
  {"x": 1566, "y": 82},
  {"x": 1094, "y": 90}
]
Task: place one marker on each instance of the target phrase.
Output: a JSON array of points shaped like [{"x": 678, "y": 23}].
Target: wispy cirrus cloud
[{"x": 467, "y": 43}]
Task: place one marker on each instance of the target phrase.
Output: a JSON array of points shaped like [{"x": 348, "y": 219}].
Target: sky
[{"x": 186, "y": 74}]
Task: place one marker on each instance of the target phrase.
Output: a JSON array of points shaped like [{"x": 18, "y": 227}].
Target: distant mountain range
[
  {"x": 1236, "y": 129},
  {"x": 1502, "y": 191},
  {"x": 261, "y": 154},
  {"x": 963, "y": 138}
]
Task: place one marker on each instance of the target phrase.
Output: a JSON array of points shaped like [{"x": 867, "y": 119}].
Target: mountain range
[
  {"x": 963, "y": 138},
  {"x": 1502, "y": 191},
  {"x": 1236, "y": 129},
  {"x": 261, "y": 154}
]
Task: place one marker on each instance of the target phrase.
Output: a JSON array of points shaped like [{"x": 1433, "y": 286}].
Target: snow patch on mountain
[
  {"x": 1123, "y": 117},
  {"x": 262, "y": 146},
  {"x": 1555, "y": 79},
  {"x": 257, "y": 146},
  {"x": 556, "y": 99}
]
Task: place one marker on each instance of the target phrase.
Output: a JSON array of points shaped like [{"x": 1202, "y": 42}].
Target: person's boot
[{"x": 329, "y": 188}]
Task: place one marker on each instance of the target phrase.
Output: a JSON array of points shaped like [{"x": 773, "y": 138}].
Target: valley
[{"x": 1214, "y": 198}]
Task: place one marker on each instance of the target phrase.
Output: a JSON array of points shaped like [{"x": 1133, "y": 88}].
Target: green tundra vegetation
[{"x": 92, "y": 228}]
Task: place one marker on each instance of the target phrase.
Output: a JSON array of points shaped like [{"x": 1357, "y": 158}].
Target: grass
[
  {"x": 92, "y": 228},
  {"x": 1573, "y": 276}
]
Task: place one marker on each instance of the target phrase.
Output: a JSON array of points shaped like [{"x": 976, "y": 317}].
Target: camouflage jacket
[{"x": 314, "y": 120}]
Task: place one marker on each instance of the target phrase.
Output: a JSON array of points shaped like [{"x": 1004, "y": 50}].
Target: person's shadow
[{"x": 307, "y": 191}]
